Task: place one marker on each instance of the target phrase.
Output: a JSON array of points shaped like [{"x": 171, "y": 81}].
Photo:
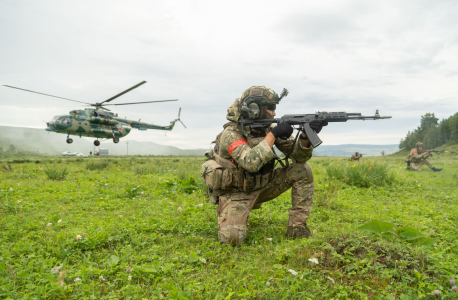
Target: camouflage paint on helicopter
[{"x": 100, "y": 124}]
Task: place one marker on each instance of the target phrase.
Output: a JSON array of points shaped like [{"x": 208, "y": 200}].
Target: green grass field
[{"x": 141, "y": 228}]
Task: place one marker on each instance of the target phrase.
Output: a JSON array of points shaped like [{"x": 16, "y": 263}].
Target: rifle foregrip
[{"x": 312, "y": 136}]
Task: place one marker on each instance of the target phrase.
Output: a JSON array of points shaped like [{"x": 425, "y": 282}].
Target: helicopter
[{"x": 99, "y": 122}]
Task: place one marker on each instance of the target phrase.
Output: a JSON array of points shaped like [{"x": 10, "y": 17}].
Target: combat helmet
[
  {"x": 419, "y": 144},
  {"x": 356, "y": 153},
  {"x": 257, "y": 99}
]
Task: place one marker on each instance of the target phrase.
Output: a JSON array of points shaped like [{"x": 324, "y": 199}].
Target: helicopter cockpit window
[{"x": 66, "y": 121}]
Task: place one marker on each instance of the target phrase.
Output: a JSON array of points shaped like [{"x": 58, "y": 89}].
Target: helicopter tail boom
[{"x": 145, "y": 126}]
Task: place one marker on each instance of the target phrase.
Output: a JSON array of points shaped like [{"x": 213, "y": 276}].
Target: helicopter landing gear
[
  {"x": 69, "y": 141},
  {"x": 115, "y": 140},
  {"x": 97, "y": 143}
]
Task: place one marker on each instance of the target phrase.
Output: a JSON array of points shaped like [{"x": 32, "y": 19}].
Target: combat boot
[
  {"x": 301, "y": 231},
  {"x": 436, "y": 169}
]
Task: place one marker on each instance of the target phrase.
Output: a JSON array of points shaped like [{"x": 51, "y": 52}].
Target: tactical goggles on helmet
[
  {"x": 272, "y": 107},
  {"x": 257, "y": 99}
]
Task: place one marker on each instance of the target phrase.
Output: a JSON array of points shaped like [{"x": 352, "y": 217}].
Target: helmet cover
[{"x": 256, "y": 100}]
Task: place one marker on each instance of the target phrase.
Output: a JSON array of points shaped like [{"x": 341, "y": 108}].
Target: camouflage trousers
[
  {"x": 234, "y": 209},
  {"x": 416, "y": 166}
]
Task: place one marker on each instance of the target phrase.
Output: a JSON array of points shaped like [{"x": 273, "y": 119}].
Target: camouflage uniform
[
  {"x": 355, "y": 157},
  {"x": 235, "y": 205},
  {"x": 418, "y": 159}
]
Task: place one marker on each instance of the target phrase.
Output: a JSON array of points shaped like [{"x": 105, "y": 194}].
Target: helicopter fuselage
[{"x": 99, "y": 124}]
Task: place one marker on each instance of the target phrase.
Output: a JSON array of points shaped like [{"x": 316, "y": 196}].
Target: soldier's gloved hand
[
  {"x": 317, "y": 125},
  {"x": 282, "y": 130}
]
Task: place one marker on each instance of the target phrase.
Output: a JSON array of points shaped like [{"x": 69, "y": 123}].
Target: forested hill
[
  {"x": 38, "y": 140},
  {"x": 432, "y": 132}
]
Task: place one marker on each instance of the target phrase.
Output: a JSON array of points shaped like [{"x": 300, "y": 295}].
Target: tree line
[{"x": 432, "y": 132}]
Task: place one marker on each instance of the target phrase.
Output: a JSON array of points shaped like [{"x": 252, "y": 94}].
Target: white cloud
[{"x": 355, "y": 56}]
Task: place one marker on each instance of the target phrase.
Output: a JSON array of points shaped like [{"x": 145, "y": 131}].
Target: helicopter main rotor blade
[
  {"x": 47, "y": 106},
  {"x": 44, "y": 94},
  {"x": 141, "y": 102},
  {"x": 120, "y": 94}
]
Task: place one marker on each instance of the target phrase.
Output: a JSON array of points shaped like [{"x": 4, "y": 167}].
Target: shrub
[
  {"x": 362, "y": 174},
  {"x": 56, "y": 173},
  {"x": 97, "y": 165}
]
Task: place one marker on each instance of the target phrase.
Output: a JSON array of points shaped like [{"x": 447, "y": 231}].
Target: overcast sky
[{"x": 400, "y": 57}]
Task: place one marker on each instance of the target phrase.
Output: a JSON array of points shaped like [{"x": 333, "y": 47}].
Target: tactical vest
[
  {"x": 410, "y": 156},
  {"x": 223, "y": 176}
]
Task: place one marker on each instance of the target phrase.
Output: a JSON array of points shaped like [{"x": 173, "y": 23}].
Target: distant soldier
[
  {"x": 356, "y": 156},
  {"x": 417, "y": 158},
  {"x": 242, "y": 168}
]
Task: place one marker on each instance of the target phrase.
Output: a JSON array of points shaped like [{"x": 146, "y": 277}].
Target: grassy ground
[{"x": 141, "y": 228}]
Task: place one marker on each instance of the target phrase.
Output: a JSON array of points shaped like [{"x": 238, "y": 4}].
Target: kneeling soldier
[
  {"x": 417, "y": 158},
  {"x": 241, "y": 172}
]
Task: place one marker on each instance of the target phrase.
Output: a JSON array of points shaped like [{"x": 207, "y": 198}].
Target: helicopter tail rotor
[{"x": 179, "y": 113}]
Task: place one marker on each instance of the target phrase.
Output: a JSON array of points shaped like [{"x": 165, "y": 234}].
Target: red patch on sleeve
[{"x": 236, "y": 144}]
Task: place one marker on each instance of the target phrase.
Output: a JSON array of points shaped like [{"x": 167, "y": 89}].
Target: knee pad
[
  {"x": 232, "y": 234},
  {"x": 309, "y": 172}
]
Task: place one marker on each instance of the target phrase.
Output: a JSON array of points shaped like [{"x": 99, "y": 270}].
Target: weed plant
[
  {"x": 362, "y": 174},
  {"x": 97, "y": 165},
  {"x": 182, "y": 173},
  {"x": 149, "y": 169},
  {"x": 56, "y": 173},
  {"x": 7, "y": 167}
]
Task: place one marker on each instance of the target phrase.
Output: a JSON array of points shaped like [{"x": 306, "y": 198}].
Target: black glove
[
  {"x": 283, "y": 131},
  {"x": 317, "y": 125}
]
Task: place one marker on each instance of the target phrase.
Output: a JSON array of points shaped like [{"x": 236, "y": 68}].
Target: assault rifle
[
  {"x": 431, "y": 151},
  {"x": 302, "y": 122},
  {"x": 434, "y": 151}
]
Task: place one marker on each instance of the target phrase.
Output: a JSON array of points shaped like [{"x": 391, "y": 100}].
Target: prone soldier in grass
[
  {"x": 241, "y": 173},
  {"x": 417, "y": 157}
]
